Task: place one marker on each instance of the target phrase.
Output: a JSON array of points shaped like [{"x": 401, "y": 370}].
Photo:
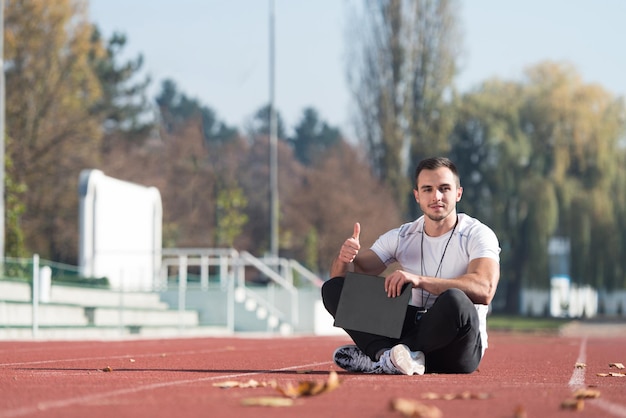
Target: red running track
[{"x": 522, "y": 375}]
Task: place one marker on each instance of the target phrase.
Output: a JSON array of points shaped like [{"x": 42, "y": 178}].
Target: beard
[{"x": 439, "y": 216}]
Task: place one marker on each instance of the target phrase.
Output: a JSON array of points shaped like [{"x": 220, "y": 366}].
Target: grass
[{"x": 524, "y": 323}]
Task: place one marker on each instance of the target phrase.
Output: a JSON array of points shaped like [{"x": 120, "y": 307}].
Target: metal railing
[
  {"x": 245, "y": 280},
  {"x": 233, "y": 272}
]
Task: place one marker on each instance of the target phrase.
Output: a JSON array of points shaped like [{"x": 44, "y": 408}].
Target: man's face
[{"x": 437, "y": 193}]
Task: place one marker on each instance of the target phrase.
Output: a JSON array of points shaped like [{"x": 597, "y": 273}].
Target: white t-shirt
[{"x": 472, "y": 239}]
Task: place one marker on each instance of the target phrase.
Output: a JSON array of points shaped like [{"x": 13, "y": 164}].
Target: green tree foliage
[
  {"x": 540, "y": 159},
  {"x": 123, "y": 105},
  {"x": 313, "y": 137},
  {"x": 405, "y": 54},
  {"x": 260, "y": 124},
  {"x": 231, "y": 203},
  {"x": 177, "y": 109},
  {"x": 14, "y": 209}
]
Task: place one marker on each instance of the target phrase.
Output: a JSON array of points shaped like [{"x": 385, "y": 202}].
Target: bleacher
[{"x": 75, "y": 312}]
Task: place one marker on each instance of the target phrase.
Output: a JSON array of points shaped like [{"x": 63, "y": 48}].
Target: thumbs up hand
[{"x": 351, "y": 246}]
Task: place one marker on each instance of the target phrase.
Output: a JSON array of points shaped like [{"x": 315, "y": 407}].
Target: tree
[
  {"x": 260, "y": 124},
  {"x": 123, "y": 104},
  {"x": 336, "y": 191},
  {"x": 531, "y": 154},
  {"x": 51, "y": 88},
  {"x": 405, "y": 51},
  {"x": 313, "y": 137},
  {"x": 66, "y": 92},
  {"x": 176, "y": 109}
]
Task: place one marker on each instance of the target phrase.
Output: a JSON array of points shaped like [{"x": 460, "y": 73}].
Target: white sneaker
[
  {"x": 406, "y": 361},
  {"x": 352, "y": 359}
]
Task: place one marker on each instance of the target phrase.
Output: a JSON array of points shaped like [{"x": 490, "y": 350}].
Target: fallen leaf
[
  {"x": 309, "y": 387},
  {"x": 466, "y": 395},
  {"x": 448, "y": 396},
  {"x": 132, "y": 360},
  {"x": 520, "y": 412},
  {"x": 612, "y": 374},
  {"x": 586, "y": 393},
  {"x": 580, "y": 365},
  {"x": 412, "y": 408},
  {"x": 481, "y": 396},
  {"x": 616, "y": 365},
  {"x": 234, "y": 384},
  {"x": 575, "y": 404},
  {"x": 276, "y": 401},
  {"x": 107, "y": 369}
]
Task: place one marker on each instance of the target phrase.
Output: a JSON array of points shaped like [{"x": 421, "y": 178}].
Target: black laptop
[{"x": 365, "y": 306}]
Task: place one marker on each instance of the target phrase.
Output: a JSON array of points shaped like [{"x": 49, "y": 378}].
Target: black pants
[{"x": 448, "y": 334}]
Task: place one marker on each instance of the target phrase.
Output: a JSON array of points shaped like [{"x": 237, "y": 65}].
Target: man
[{"x": 452, "y": 263}]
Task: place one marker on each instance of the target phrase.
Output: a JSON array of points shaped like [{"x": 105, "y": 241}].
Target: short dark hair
[{"x": 434, "y": 163}]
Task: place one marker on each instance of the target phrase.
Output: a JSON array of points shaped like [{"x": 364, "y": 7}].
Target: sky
[{"x": 218, "y": 51}]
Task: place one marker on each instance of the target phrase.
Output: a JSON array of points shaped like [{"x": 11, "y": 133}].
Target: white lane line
[
  {"x": 610, "y": 407},
  {"x": 63, "y": 403},
  {"x": 122, "y": 356},
  {"x": 577, "y": 381}
]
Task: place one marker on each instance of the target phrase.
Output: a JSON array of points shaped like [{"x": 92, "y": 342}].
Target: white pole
[
  {"x": 35, "y": 295},
  {"x": 273, "y": 148},
  {"x": 182, "y": 290}
]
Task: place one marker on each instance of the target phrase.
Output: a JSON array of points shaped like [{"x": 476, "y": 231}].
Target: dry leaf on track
[
  {"x": 586, "y": 393},
  {"x": 244, "y": 385},
  {"x": 309, "y": 387},
  {"x": 612, "y": 374},
  {"x": 580, "y": 365},
  {"x": 616, "y": 365},
  {"x": 412, "y": 408},
  {"x": 107, "y": 369},
  {"x": 520, "y": 412},
  {"x": 451, "y": 396},
  {"x": 276, "y": 401},
  {"x": 575, "y": 404}
]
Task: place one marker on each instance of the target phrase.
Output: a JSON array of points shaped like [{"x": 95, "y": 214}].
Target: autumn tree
[
  {"x": 338, "y": 190},
  {"x": 401, "y": 74},
  {"x": 66, "y": 90},
  {"x": 51, "y": 88}
]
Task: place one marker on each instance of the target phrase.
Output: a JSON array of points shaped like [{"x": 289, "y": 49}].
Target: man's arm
[
  {"x": 479, "y": 283},
  {"x": 350, "y": 259}
]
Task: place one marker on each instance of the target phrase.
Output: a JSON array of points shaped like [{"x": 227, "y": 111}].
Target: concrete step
[
  {"x": 105, "y": 298},
  {"x": 78, "y": 295},
  {"x": 21, "y": 314},
  {"x": 143, "y": 317},
  {"x": 16, "y": 291}
]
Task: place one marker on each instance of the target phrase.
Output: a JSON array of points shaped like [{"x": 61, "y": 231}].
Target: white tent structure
[{"x": 120, "y": 231}]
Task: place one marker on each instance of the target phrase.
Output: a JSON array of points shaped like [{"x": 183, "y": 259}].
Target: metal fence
[{"x": 241, "y": 279}]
